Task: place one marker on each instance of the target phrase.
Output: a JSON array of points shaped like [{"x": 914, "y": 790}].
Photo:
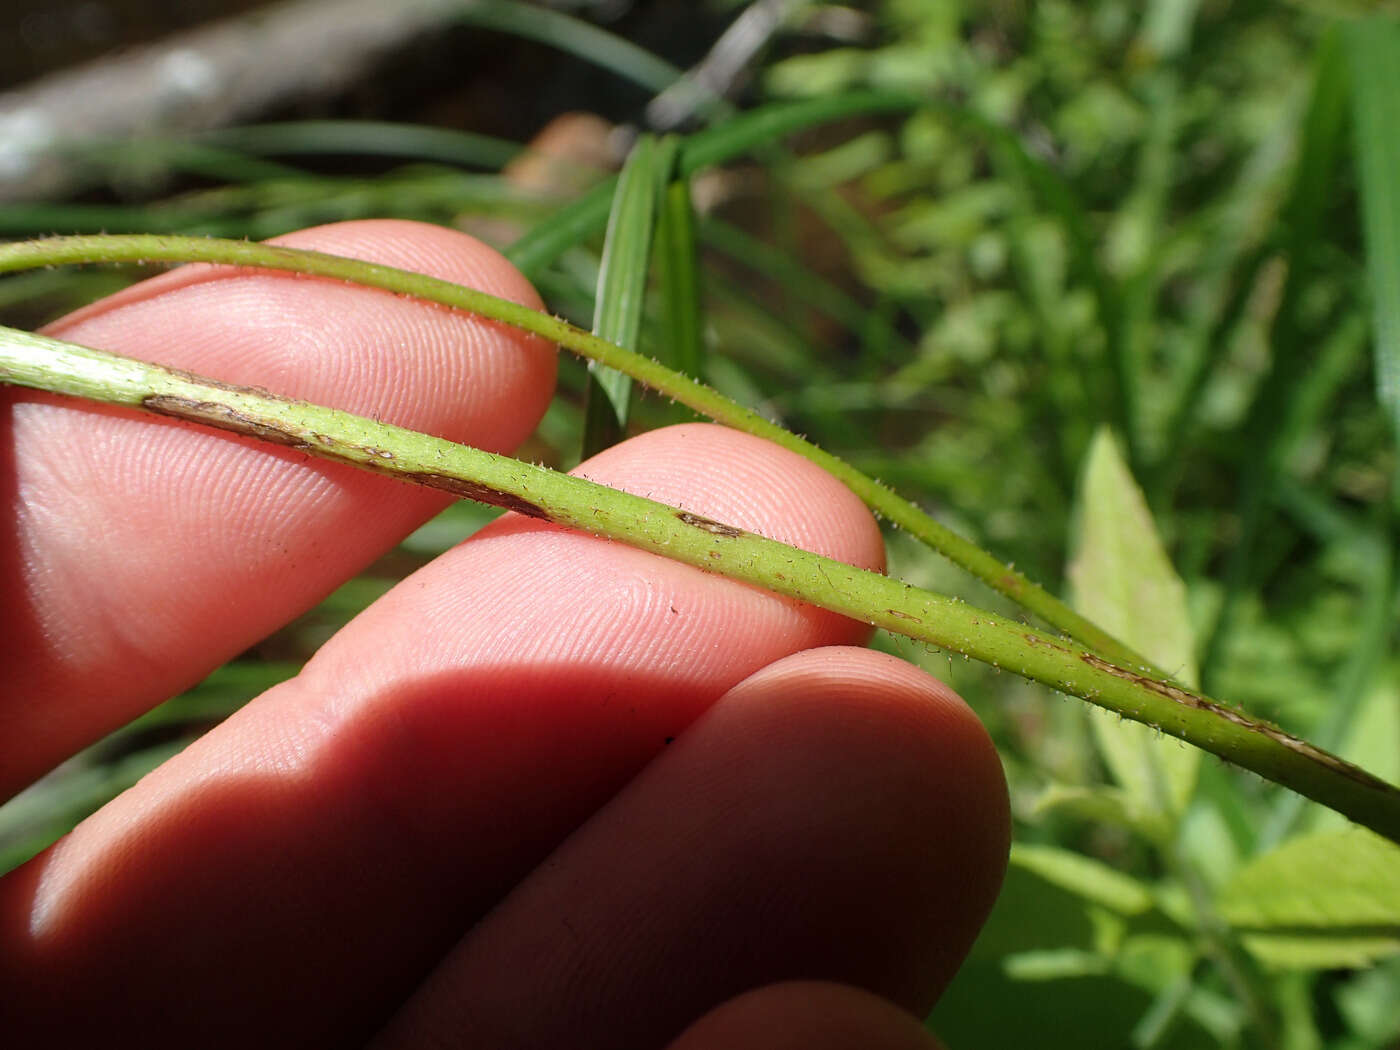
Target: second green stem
[{"x": 899, "y": 511}]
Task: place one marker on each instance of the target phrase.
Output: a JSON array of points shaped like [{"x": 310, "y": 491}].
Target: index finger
[{"x": 142, "y": 553}]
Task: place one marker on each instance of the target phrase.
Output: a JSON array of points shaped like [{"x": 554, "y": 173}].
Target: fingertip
[
  {"x": 877, "y": 689},
  {"x": 896, "y": 758},
  {"x": 806, "y": 1015},
  {"x": 364, "y": 350},
  {"x": 840, "y": 811},
  {"x": 151, "y": 551},
  {"x": 745, "y": 481}
]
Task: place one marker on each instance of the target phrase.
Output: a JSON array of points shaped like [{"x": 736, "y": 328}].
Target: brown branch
[{"x": 201, "y": 79}]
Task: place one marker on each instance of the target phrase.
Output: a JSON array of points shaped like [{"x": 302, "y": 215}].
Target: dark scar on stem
[
  {"x": 714, "y": 528},
  {"x": 473, "y": 491},
  {"x": 1200, "y": 703},
  {"x": 217, "y": 414},
  {"x": 226, "y": 417}
]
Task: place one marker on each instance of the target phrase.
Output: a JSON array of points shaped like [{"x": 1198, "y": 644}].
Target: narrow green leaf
[
  {"x": 622, "y": 283},
  {"x": 1123, "y": 580},
  {"x": 791, "y": 275},
  {"x": 683, "y": 343},
  {"x": 1043, "y": 186},
  {"x": 368, "y": 138},
  {"x": 1100, "y": 804},
  {"x": 766, "y": 125},
  {"x": 1374, "y": 47},
  {"x": 571, "y": 225},
  {"x": 1084, "y": 877},
  {"x": 1325, "y": 900},
  {"x": 573, "y": 36},
  {"x": 579, "y": 221},
  {"x": 1292, "y": 338}
]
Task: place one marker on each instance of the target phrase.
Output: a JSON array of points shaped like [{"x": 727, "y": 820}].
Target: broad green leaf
[
  {"x": 1374, "y": 50},
  {"x": 1123, "y": 581},
  {"x": 1084, "y": 877},
  {"x": 622, "y": 285},
  {"x": 1374, "y": 738},
  {"x": 1325, "y": 900}
]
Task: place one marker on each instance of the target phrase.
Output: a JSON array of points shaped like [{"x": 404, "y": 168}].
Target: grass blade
[
  {"x": 763, "y": 126},
  {"x": 1292, "y": 337},
  {"x": 622, "y": 283},
  {"x": 795, "y": 279},
  {"x": 576, "y": 37},
  {"x": 576, "y": 222},
  {"x": 1373, "y": 47},
  {"x": 682, "y": 345},
  {"x": 571, "y": 225},
  {"x": 368, "y": 138}
]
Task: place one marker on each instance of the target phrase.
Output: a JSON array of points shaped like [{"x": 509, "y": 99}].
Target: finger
[
  {"x": 839, "y": 816},
  {"x": 806, "y": 1015},
  {"x": 309, "y": 860},
  {"x": 144, "y": 553}
]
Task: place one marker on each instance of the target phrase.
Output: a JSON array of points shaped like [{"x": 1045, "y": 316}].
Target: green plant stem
[
  {"x": 43, "y": 363},
  {"x": 665, "y": 381}
]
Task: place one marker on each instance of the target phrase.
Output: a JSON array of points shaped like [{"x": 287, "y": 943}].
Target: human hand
[{"x": 549, "y": 791}]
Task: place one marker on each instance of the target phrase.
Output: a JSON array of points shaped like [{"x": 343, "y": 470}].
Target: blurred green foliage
[{"x": 1143, "y": 219}]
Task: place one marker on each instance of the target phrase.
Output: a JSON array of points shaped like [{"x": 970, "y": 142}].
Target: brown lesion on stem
[
  {"x": 474, "y": 491},
  {"x": 714, "y": 528},
  {"x": 226, "y": 417},
  {"x": 1200, "y": 703}
]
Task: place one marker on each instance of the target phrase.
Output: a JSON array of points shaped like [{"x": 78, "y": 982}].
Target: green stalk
[
  {"x": 43, "y": 363},
  {"x": 987, "y": 568}
]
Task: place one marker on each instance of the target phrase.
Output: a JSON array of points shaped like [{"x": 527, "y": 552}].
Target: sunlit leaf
[
  {"x": 1324, "y": 900},
  {"x": 1123, "y": 581}
]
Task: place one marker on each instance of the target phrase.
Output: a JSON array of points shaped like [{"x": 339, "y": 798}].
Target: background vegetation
[{"x": 1175, "y": 223}]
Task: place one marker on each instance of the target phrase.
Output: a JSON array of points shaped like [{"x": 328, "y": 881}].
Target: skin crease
[{"x": 548, "y": 791}]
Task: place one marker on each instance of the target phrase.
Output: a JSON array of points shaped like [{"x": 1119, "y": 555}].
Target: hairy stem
[
  {"x": 986, "y": 567},
  {"x": 37, "y": 361}
]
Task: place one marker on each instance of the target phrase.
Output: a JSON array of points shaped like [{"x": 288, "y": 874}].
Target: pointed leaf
[
  {"x": 1324, "y": 900},
  {"x": 682, "y": 345},
  {"x": 622, "y": 283},
  {"x": 1374, "y": 49},
  {"x": 1084, "y": 877},
  {"x": 1124, "y": 582}
]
